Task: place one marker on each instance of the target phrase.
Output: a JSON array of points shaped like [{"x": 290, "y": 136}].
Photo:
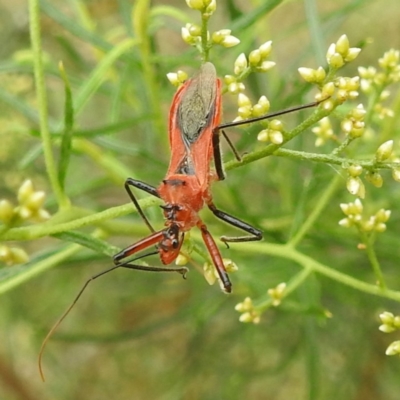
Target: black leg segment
[
  {"x": 146, "y": 188},
  {"x": 255, "y": 233}
]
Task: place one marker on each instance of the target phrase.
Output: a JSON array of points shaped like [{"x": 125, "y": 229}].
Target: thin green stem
[
  {"x": 343, "y": 145},
  {"x": 141, "y": 17},
  {"x": 34, "y": 15},
  {"x": 368, "y": 241},
  {"x": 334, "y": 160},
  {"x": 292, "y": 285},
  {"x": 316, "y": 211},
  {"x": 205, "y": 46},
  {"x": 290, "y": 253},
  {"x": 49, "y": 228},
  {"x": 272, "y": 148}
]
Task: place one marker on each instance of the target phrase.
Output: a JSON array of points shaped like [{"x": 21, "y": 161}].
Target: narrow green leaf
[
  {"x": 99, "y": 74},
  {"x": 253, "y": 16},
  {"x": 65, "y": 151},
  {"x": 93, "y": 243}
]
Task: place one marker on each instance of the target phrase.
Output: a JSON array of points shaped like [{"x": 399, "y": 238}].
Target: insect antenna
[
  {"x": 271, "y": 115},
  {"x": 67, "y": 311}
]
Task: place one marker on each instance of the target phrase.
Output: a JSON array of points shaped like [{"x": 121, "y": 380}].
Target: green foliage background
[{"x": 153, "y": 336}]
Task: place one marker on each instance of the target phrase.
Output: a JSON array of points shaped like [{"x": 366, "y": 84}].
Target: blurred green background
[{"x": 153, "y": 336}]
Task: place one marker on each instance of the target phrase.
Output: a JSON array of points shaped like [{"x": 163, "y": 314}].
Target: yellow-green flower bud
[
  {"x": 229, "y": 265},
  {"x": 265, "y": 66},
  {"x": 346, "y": 222},
  {"x": 352, "y": 54},
  {"x": 342, "y": 45},
  {"x": 240, "y": 64},
  {"x": 336, "y": 60},
  {"x": 25, "y": 191},
  {"x": 380, "y": 228},
  {"x": 277, "y": 293},
  {"x": 173, "y": 78},
  {"x": 246, "y": 317},
  {"x": 382, "y": 215},
  {"x": 194, "y": 30},
  {"x": 228, "y": 79},
  {"x": 356, "y": 187},
  {"x": 393, "y": 349},
  {"x": 36, "y": 200},
  {"x": 276, "y": 125},
  {"x": 308, "y": 74},
  {"x": 265, "y": 49},
  {"x": 390, "y": 59},
  {"x": 396, "y": 174},
  {"x": 230, "y": 41},
  {"x": 6, "y": 211},
  {"x": 187, "y": 37},
  {"x": 375, "y": 178},
  {"x": 254, "y": 58},
  {"x": 275, "y": 137},
  {"x": 355, "y": 170},
  {"x": 384, "y": 151},
  {"x": 13, "y": 255},
  {"x": 387, "y": 317},
  {"x": 263, "y": 136},
  {"x": 209, "y": 273},
  {"x": 261, "y": 107},
  {"x": 243, "y": 100}
]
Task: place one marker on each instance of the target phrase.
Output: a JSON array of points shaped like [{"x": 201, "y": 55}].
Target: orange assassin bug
[{"x": 194, "y": 137}]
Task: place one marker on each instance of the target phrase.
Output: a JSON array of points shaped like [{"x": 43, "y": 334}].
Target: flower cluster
[
  {"x": 323, "y": 131},
  {"x": 375, "y": 82},
  {"x": 255, "y": 62},
  {"x": 340, "y": 53},
  {"x": 354, "y": 217},
  {"x": 277, "y": 293},
  {"x": 248, "y": 311},
  {"x": 13, "y": 255},
  {"x": 30, "y": 205},
  {"x": 204, "y": 6},
  {"x": 353, "y": 124},
  {"x": 390, "y": 323}
]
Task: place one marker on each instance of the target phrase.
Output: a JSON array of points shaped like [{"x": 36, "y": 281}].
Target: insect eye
[{"x": 175, "y": 243}]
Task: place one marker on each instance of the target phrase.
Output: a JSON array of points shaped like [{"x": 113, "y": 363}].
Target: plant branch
[{"x": 34, "y": 16}]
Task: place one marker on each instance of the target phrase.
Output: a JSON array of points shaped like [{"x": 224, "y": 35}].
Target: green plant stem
[
  {"x": 333, "y": 160},
  {"x": 48, "y": 228},
  {"x": 343, "y": 145},
  {"x": 141, "y": 14},
  {"x": 39, "y": 268},
  {"x": 292, "y": 285},
  {"x": 316, "y": 211},
  {"x": 371, "y": 254},
  {"x": 205, "y": 46},
  {"x": 290, "y": 253},
  {"x": 272, "y": 148},
  {"x": 34, "y": 16}
]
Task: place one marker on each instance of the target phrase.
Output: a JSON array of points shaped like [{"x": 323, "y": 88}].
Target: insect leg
[
  {"x": 255, "y": 233},
  {"x": 220, "y": 128},
  {"x": 146, "y": 188},
  {"x": 217, "y": 152},
  {"x": 216, "y": 258}
]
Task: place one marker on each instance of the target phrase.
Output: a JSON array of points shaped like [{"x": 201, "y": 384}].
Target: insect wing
[{"x": 195, "y": 111}]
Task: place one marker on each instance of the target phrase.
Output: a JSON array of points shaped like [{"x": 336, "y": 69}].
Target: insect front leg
[
  {"x": 146, "y": 188},
  {"x": 154, "y": 239}
]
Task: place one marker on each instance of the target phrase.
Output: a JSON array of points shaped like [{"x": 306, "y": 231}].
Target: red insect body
[{"x": 194, "y": 115}]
